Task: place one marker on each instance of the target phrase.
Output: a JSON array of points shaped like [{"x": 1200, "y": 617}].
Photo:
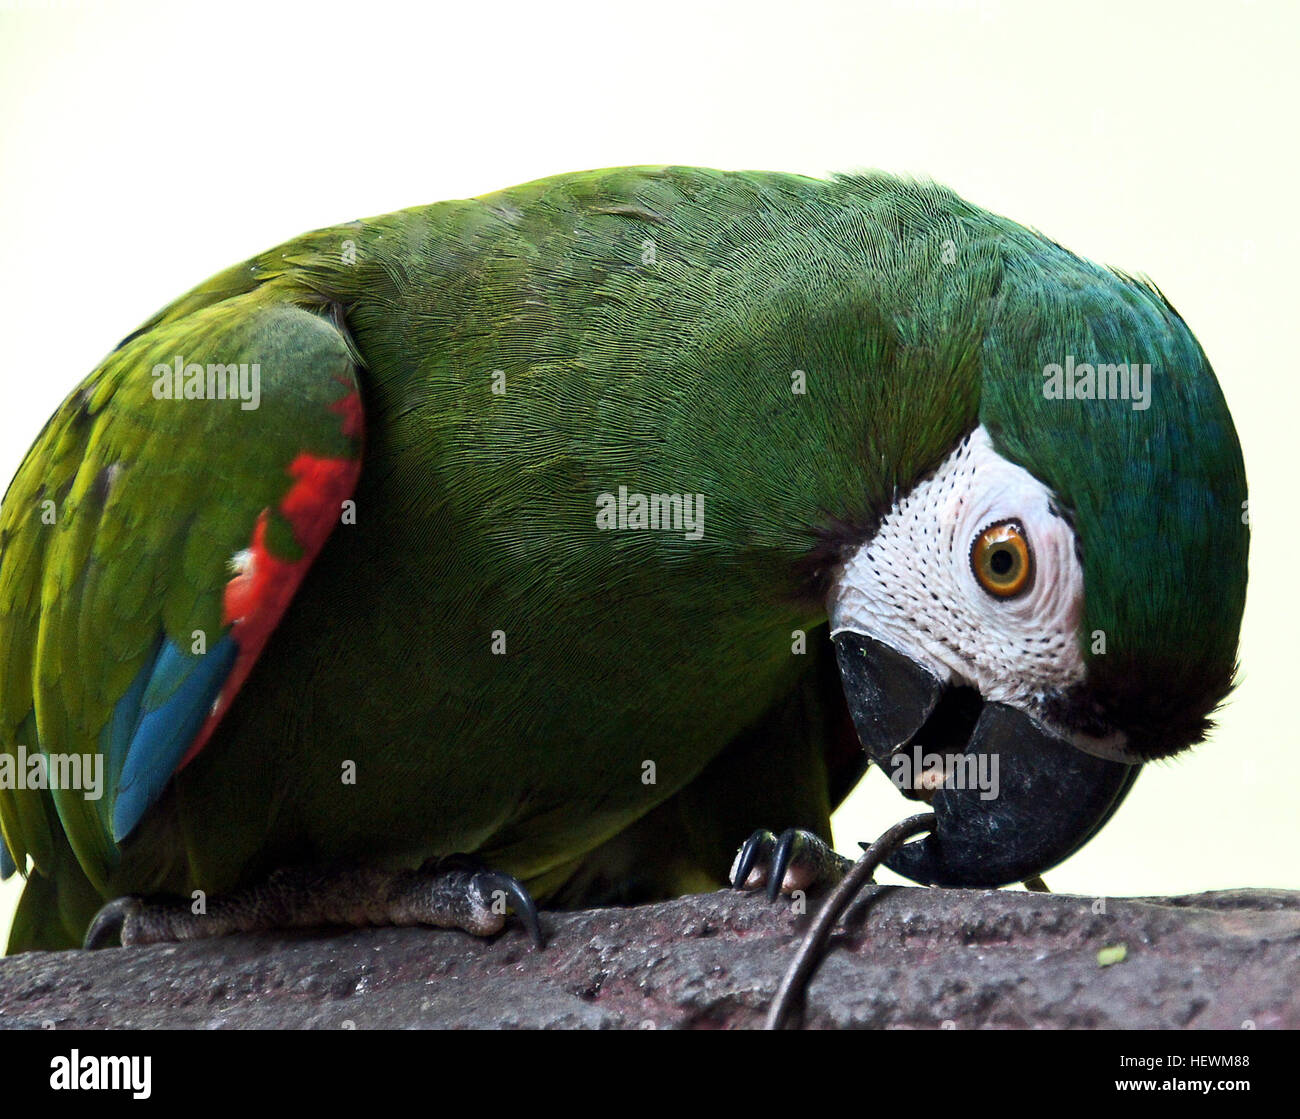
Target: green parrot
[{"x": 558, "y": 543}]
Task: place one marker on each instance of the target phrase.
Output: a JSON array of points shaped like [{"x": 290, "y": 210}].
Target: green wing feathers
[{"x": 118, "y": 535}]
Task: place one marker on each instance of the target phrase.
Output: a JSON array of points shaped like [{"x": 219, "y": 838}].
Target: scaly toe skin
[{"x": 454, "y": 892}]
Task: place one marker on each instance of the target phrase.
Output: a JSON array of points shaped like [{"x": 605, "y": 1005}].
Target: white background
[{"x": 145, "y": 146}]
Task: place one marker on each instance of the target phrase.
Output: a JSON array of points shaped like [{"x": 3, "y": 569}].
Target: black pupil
[{"x": 1001, "y": 561}]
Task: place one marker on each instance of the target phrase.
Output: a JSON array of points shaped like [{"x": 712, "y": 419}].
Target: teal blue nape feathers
[{"x": 376, "y": 618}]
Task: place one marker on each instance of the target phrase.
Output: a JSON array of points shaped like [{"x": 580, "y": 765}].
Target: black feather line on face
[
  {"x": 1158, "y": 714},
  {"x": 836, "y": 537},
  {"x": 835, "y": 540}
]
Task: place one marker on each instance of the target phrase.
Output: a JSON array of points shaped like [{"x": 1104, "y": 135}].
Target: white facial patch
[{"x": 912, "y": 586}]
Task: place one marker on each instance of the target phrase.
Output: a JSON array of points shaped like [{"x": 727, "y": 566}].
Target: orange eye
[{"x": 1001, "y": 559}]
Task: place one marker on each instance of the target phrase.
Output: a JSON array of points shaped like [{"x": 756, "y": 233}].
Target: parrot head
[{"x": 1059, "y": 600}]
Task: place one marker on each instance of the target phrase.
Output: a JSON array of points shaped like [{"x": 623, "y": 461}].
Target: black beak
[{"x": 1017, "y": 799}]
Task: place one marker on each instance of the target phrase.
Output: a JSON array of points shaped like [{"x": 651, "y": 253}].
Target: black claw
[
  {"x": 757, "y": 844},
  {"x": 780, "y": 862},
  {"x": 793, "y": 984},
  {"x": 108, "y": 922},
  {"x": 488, "y": 882}
]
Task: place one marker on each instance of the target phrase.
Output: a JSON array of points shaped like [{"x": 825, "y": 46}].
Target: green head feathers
[{"x": 1095, "y": 385}]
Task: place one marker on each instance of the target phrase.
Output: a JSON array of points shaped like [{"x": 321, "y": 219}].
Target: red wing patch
[{"x": 256, "y": 598}]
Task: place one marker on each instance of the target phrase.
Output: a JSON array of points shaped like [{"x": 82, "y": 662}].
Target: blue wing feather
[
  {"x": 164, "y": 709},
  {"x": 115, "y": 738}
]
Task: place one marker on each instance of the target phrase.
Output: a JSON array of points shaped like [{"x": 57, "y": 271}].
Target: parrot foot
[
  {"x": 452, "y": 892},
  {"x": 795, "y": 860}
]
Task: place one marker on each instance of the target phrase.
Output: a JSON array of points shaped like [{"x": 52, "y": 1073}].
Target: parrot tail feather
[{"x": 54, "y": 910}]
